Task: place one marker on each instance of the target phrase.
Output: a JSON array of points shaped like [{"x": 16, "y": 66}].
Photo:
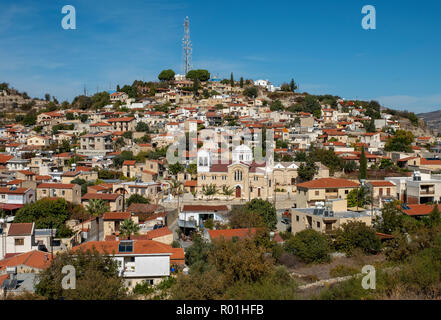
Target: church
[{"x": 248, "y": 178}]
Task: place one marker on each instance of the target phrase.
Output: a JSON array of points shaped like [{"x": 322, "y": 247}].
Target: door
[{"x": 238, "y": 192}]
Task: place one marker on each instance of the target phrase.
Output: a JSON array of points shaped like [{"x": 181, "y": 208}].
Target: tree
[
  {"x": 401, "y": 142},
  {"x": 196, "y": 256},
  {"x": 142, "y": 127},
  {"x": 301, "y": 156},
  {"x": 232, "y": 83},
  {"x": 358, "y": 197},
  {"x": 129, "y": 227},
  {"x": 201, "y": 75},
  {"x": 46, "y": 213},
  {"x": 136, "y": 198},
  {"x": 265, "y": 209},
  {"x": 413, "y": 119},
  {"x": 47, "y": 97},
  {"x": 363, "y": 165},
  {"x": 293, "y": 86},
  {"x": 251, "y": 92},
  {"x": 350, "y": 166},
  {"x": 97, "y": 207},
  {"x": 356, "y": 234},
  {"x": 309, "y": 245},
  {"x": 82, "y": 102},
  {"x": 242, "y": 218},
  {"x": 196, "y": 87},
  {"x": 99, "y": 100},
  {"x": 307, "y": 170},
  {"x": 241, "y": 82},
  {"x": 227, "y": 191},
  {"x": 285, "y": 87},
  {"x": 240, "y": 260},
  {"x": 209, "y": 190},
  {"x": 277, "y": 106},
  {"x": 97, "y": 277},
  {"x": 370, "y": 125},
  {"x": 128, "y": 134},
  {"x": 83, "y": 183},
  {"x": 176, "y": 168},
  {"x": 166, "y": 75},
  {"x": 434, "y": 217}
]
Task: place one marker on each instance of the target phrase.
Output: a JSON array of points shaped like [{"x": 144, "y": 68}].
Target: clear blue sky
[{"x": 319, "y": 43}]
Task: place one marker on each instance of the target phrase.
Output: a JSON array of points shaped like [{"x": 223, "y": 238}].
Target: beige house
[
  {"x": 96, "y": 144},
  {"x": 382, "y": 189},
  {"x": 326, "y": 219},
  {"x": 113, "y": 220},
  {"x": 114, "y": 201},
  {"x": 123, "y": 124},
  {"x": 320, "y": 190},
  {"x": 38, "y": 141},
  {"x": 70, "y": 192}
]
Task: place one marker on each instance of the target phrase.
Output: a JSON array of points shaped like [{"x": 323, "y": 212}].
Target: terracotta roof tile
[{"x": 328, "y": 183}]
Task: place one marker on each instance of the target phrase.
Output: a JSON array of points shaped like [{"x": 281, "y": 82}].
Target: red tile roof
[
  {"x": 20, "y": 229},
  {"x": 34, "y": 259},
  {"x": 230, "y": 233},
  {"x": 381, "y": 183},
  {"x": 56, "y": 185},
  {"x": 328, "y": 183},
  {"x": 139, "y": 247},
  {"x": 419, "y": 209},
  {"x": 117, "y": 216},
  {"x": 16, "y": 191}
]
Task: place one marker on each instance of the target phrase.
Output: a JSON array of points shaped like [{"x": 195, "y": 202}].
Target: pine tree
[
  {"x": 232, "y": 80},
  {"x": 363, "y": 164},
  {"x": 241, "y": 82}
]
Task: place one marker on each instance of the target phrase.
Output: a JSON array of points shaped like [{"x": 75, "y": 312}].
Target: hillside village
[{"x": 95, "y": 173}]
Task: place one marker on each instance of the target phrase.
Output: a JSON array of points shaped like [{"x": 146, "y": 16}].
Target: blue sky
[{"x": 321, "y": 44}]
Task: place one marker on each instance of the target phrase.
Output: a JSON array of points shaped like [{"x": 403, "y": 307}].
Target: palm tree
[
  {"x": 209, "y": 190},
  {"x": 97, "y": 207},
  {"x": 227, "y": 191},
  {"x": 128, "y": 227}
]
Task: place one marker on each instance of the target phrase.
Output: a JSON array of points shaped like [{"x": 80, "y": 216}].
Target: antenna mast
[{"x": 187, "y": 46}]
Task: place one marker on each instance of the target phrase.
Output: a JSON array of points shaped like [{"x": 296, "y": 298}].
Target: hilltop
[{"x": 432, "y": 119}]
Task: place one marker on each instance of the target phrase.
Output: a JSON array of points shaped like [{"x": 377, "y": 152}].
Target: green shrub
[{"x": 309, "y": 245}]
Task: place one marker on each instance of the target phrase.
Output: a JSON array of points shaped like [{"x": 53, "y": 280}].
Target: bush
[
  {"x": 309, "y": 245},
  {"x": 356, "y": 234}
]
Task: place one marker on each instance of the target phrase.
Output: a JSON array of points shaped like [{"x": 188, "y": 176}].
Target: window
[
  {"x": 318, "y": 224},
  {"x": 238, "y": 175},
  {"x": 317, "y": 193},
  {"x": 126, "y": 246},
  {"x": 297, "y": 218},
  {"x": 256, "y": 178},
  {"x": 346, "y": 191},
  {"x": 19, "y": 242},
  {"x": 213, "y": 177},
  {"x": 388, "y": 191}
]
